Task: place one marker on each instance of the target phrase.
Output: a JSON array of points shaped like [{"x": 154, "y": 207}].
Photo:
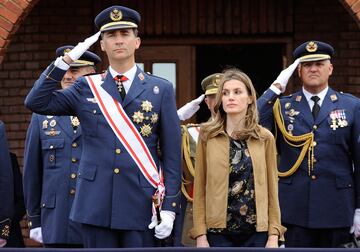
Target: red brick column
[{"x": 12, "y": 13}]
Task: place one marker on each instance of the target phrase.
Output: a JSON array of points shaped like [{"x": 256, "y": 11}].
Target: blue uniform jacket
[
  {"x": 111, "y": 190},
  {"x": 328, "y": 197},
  {"x": 6, "y": 186},
  {"x": 51, "y": 163},
  {"x": 16, "y": 238}
]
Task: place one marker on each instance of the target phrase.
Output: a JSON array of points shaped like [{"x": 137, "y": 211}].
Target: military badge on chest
[
  {"x": 52, "y": 124},
  {"x": 291, "y": 113},
  {"x": 145, "y": 117},
  {"x": 338, "y": 119}
]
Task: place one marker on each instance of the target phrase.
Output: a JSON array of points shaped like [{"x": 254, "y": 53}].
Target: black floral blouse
[{"x": 241, "y": 212}]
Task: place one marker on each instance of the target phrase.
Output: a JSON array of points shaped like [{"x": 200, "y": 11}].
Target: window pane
[
  {"x": 140, "y": 65},
  {"x": 166, "y": 71}
]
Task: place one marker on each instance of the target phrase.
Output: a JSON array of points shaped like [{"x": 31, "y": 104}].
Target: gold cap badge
[
  {"x": 67, "y": 50},
  {"x": 115, "y": 15},
  {"x": 311, "y": 46}
]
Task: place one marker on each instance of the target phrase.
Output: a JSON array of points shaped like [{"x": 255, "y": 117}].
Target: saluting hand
[
  {"x": 190, "y": 108},
  {"x": 80, "y": 48},
  {"x": 285, "y": 75}
]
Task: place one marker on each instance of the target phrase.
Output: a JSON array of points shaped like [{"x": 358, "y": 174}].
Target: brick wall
[
  {"x": 329, "y": 21},
  {"x": 51, "y": 23}
]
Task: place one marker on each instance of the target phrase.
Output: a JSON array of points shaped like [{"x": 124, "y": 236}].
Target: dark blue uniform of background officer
[
  {"x": 318, "y": 143},
  {"x": 113, "y": 198},
  {"x": 6, "y": 188},
  {"x": 16, "y": 238},
  {"x": 51, "y": 162}
]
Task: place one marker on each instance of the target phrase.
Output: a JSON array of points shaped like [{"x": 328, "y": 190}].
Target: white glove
[
  {"x": 356, "y": 226},
  {"x": 36, "y": 235},
  {"x": 165, "y": 227},
  {"x": 285, "y": 75},
  {"x": 80, "y": 48},
  {"x": 190, "y": 108},
  {"x": 2, "y": 242}
]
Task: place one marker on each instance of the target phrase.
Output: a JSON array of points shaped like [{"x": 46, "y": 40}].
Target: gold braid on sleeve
[
  {"x": 305, "y": 141},
  {"x": 185, "y": 149}
]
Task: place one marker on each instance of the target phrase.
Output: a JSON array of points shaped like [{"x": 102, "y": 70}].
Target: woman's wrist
[
  {"x": 201, "y": 237},
  {"x": 273, "y": 237}
]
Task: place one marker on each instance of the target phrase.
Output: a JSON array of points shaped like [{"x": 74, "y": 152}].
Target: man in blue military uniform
[
  {"x": 318, "y": 133},
  {"x": 6, "y": 188},
  {"x": 51, "y": 162},
  {"x": 126, "y": 115}
]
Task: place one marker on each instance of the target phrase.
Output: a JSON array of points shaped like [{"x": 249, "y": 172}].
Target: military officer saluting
[
  {"x": 125, "y": 115},
  {"x": 318, "y": 132},
  {"x": 52, "y": 154}
]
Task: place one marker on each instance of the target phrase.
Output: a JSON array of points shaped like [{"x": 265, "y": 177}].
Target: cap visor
[
  {"x": 211, "y": 91},
  {"x": 314, "y": 57},
  {"x": 118, "y": 26}
]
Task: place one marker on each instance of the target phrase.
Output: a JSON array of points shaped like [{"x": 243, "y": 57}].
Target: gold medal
[
  {"x": 154, "y": 118},
  {"x": 138, "y": 117},
  {"x": 146, "y": 106},
  {"x": 287, "y": 105},
  {"x": 145, "y": 130}
]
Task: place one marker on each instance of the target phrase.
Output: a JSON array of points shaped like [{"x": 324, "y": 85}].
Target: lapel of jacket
[
  {"x": 329, "y": 104},
  {"x": 109, "y": 86},
  {"x": 300, "y": 104},
  {"x": 65, "y": 123},
  {"x": 136, "y": 88}
]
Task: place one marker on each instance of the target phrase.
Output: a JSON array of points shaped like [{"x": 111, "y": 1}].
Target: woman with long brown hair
[{"x": 236, "y": 191}]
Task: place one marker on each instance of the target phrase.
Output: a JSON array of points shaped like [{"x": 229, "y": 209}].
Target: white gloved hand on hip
[
  {"x": 356, "y": 225},
  {"x": 165, "y": 227},
  {"x": 190, "y": 108},
  {"x": 285, "y": 75},
  {"x": 80, "y": 48},
  {"x": 36, "y": 234}
]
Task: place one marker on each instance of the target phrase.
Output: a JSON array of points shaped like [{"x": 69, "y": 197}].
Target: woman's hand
[
  {"x": 202, "y": 242},
  {"x": 272, "y": 241}
]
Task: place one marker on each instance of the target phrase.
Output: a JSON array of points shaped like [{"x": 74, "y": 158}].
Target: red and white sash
[{"x": 127, "y": 133}]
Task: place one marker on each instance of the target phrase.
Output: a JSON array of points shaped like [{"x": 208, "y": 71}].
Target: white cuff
[
  {"x": 275, "y": 89},
  {"x": 61, "y": 64}
]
